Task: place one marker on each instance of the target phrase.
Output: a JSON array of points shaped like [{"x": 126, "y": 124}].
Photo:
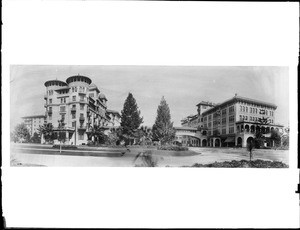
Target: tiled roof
[{"x": 239, "y": 98}]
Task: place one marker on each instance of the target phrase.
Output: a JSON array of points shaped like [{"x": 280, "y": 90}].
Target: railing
[
  {"x": 81, "y": 118},
  {"x": 73, "y": 109}
]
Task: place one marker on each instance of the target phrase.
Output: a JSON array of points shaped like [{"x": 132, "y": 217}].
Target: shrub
[
  {"x": 244, "y": 164},
  {"x": 173, "y": 148}
]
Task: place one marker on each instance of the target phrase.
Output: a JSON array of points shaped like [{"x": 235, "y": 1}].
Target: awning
[{"x": 229, "y": 139}]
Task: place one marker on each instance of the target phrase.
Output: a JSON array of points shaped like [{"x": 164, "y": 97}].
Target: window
[
  {"x": 81, "y": 98},
  {"x": 63, "y": 117},
  {"x": 231, "y": 129},
  {"x": 246, "y": 109},
  {"x": 73, "y": 115},
  {"x": 231, "y": 109},
  {"x": 223, "y": 111},
  {"x": 74, "y": 98},
  {"x": 223, "y": 120},
  {"x": 50, "y": 101},
  {"x": 73, "y": 124},
  {"x": 209, "y": 117},
  {"x": 63, "y": 109},
  {"x": 63, "y": 100},
  {"x": 75, "y": 89},
  {"x": 215, "y": 123},
  {"x": 241, "y": 117},
  {"x": 241, "y": 108},
  {"x": 231, "y": 119},
  {"x": 50, "y": 117},
  {"x": 81, "y": 107},
  {"x": 223, "y": 131},
  {"x": 91, "y": 94},
  {"x": 80, "y": 136}
]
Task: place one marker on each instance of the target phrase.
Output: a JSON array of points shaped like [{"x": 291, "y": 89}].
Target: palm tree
[
  {"x": 47, "y": 131},
  {"x": 97, "y": 132}
]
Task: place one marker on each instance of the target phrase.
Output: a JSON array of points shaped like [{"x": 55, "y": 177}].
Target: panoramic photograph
[{"x": 149, "y": 116}]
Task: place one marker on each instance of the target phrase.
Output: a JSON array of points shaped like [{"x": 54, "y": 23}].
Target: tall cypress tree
[
  {"x": 163, "y": 128},
  {"x": 130, "y": 117}
]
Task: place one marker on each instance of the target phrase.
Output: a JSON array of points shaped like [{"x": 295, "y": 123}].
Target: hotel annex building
[
  {"x": 33, "y": 123},
  {"x": 80, "y": 105},
  {"x": 230, "y": 123}
]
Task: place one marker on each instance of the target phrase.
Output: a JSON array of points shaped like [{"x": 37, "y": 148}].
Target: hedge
[
  {"x": 173, "y": 148},
  {"x": 65, "y": 146}
]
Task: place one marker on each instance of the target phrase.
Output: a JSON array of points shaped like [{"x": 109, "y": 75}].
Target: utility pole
[{"x": 75, "y": 132}]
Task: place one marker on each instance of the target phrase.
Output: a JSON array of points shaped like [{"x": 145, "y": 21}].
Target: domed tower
[
  {"x": 52, "y": 101},
  {"x": 78, "y": 106},
  {"x": 102, "y": 98}
]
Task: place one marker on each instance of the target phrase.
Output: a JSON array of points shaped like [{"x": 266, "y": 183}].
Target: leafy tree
[
  {"x": 259, "y": 139},
  {"x": 162, "y": 129},
  {"x": 113, "y": 137},
  {"x": 130, "y": 118},
  {"x": 276, "y": 137},
  {"x": 286, "y": 140},
  {"x": 47, "y": 131},
  {"x": 13, "y": 137},
  {"x": 36, "y": 138},
  {"x": 21, "y": 133}
]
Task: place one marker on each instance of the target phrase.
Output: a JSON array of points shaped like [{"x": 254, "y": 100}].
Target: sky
[{"x": 182, "y": 86}]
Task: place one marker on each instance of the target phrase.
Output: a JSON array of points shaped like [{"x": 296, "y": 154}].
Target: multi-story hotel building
[
  {"x": 34, "y": 122},
  {"x": 79, "y": 104},
  {"x": 230, "y": 123}
]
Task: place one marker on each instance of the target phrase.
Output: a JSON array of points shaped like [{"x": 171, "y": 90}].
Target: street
[{"x": 45, "y": 155}]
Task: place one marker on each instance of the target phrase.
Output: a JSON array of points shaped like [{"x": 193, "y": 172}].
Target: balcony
[
  {"x": 81, "y": 127},
  {"x": 81, "y": 92},
  {"x": 73, "y": 110},
  {"x": 81, "y": 119}
]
